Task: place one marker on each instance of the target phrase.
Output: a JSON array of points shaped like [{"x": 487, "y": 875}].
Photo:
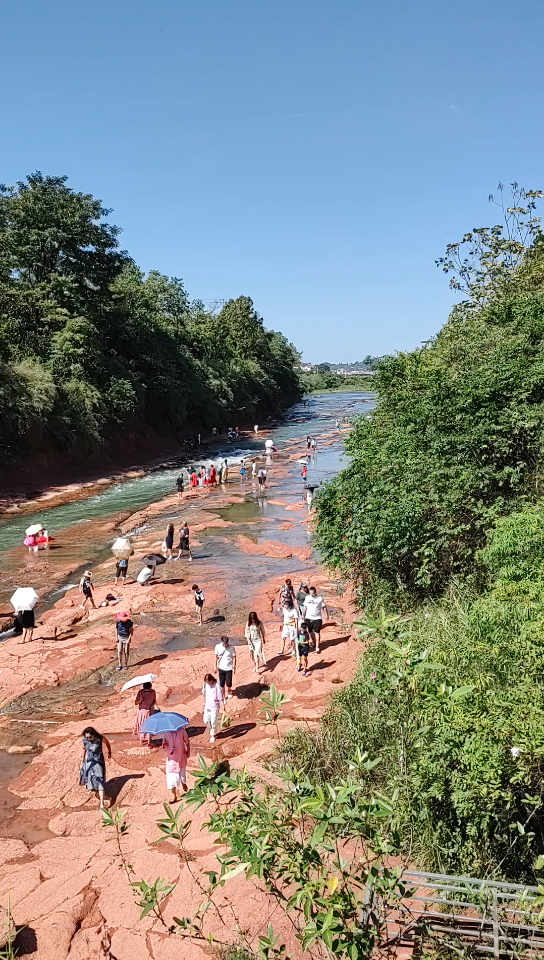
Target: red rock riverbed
[{"x": 61, "y": 874}]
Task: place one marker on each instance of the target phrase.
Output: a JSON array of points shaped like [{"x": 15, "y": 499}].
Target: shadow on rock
[{"x": 116, "y": 784}]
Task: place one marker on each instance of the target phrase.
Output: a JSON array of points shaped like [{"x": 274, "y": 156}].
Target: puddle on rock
[{"x": 14, "y": 823}]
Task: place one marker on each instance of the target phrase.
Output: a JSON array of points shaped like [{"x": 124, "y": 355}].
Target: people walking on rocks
[
  {"x": 86, "y": 589},
  {"x": 213, "y": 698},
  {"x": 225, "y": 661},
  {"x": 193, "y": 479},
  {"x": 312, "y": 612},
  {"x": 289, "y": 627},
  {"x": 146, "y": 701},
  {"x": 256, "y": 639},
  {"x": 308, "y": 442},
  {"x": 179, "y": 485},
  {"x": 265, "y": 474},
  {"x": 313, "y": 444},
  {"x": 92, "y": 773},
  {"x": 184, "y": 546},
  {"x": 256, "y": 429},
  {"x": 213, "y": 476},
  {"x": 261, "y": 478},
  {"x": 178, "y": 751},
  {"x": 253, "y": 469},
  {"x": 121, "y": 569},
  {"x": 225, "y": 472},
  {"x": 302, "y": 593},
  {"x": 303, "y": 647},
  {"x": 242, "y": 472},
  {"x": 199, "y": 601},
  {"x": 286, "y": 593},
  {"x": 168, "y": 542},
  {"x": 124, "y": 629},
  {"x": 304, "y": 471}
]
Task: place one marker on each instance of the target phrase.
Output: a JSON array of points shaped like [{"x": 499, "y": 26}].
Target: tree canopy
[{"x": 89, "y": 344}]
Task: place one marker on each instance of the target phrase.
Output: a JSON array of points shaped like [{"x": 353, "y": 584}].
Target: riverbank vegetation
[
  {"x": 327, "y": 381},
  {"x": 91, "y": 348},
  {"x": 438, "y": 524}
]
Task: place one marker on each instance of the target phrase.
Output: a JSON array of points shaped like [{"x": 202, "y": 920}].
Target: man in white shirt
[
  {"x": 225, "y": 661},
  {"x": 312, "y": 612}
]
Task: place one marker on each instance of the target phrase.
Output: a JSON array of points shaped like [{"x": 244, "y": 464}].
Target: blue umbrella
[{"x": 159, "y": 723}]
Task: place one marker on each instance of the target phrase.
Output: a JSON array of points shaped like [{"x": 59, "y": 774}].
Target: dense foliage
[
  {"x": 451, "y": 701},
  {"x": 321, "y": 381},
  {"x": 89, "y": 345},
  {"x": 439, "y": 517}
]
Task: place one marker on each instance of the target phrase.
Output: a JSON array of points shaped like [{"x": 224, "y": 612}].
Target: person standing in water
[
  {"x": 86, "y": 589},
  {"x": 146, "y": 701},
  {"x": 92, "y": 773},
  {"x": 256, "y": 639},
  {"x": 213, "y": 699},
  {"x": 242, "y": 472},
  {"x": 178, "y": 751},
  {"x": 304, "y": 471}
]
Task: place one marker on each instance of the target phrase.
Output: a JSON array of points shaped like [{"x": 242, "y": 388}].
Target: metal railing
[{"x": 467, "y": 915}]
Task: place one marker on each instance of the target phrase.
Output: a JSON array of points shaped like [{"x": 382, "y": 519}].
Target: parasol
[
  {"x": 159, "y": 723},
  {"x": 24, "y": 598},
  {"x": 136, "y": 681},
  {"x": 152, "y": 559},
  {"x": 35, "y": 528},
  {"x": 121, "y": 548}
]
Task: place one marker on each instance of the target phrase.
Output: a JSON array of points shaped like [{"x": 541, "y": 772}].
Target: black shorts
[
  {"x": 314, "y": 626},
  {"x": 184, "y": 544},
  {"x": 303, "y": 649},
  {"x": 27, "y": 619},
  {"x": 225, "y": 677}
]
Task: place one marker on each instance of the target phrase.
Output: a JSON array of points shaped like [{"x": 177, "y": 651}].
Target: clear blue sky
[{"x": 316, "y": 156}]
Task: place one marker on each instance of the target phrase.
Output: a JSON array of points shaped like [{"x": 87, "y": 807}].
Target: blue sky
[{"x": 316, "y": 156}]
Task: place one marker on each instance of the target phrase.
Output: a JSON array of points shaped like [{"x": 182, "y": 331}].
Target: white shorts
[
  {"x": 289, "y": 632},
  {"x": 174, "y": 780}
]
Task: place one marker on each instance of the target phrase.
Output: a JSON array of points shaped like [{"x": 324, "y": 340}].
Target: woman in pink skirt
[
  {"x": 146, "y": 700},
  {"x": 178, "y": 751}
]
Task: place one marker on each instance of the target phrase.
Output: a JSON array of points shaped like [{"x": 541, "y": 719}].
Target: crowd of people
[{"x": 301, "y": 618}]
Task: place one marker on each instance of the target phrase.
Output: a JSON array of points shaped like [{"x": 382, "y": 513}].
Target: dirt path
[{"x": 61, "y": 874}]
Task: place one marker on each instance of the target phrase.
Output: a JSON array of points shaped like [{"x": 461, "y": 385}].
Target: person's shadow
[{"x": 116, "y": 784}]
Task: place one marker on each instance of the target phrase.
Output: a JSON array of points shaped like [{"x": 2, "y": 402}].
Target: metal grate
[{"x": 464, "y": 914}]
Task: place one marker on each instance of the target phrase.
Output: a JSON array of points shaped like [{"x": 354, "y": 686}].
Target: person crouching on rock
[
  {"x": 146, "y": 701},
  {"x": 178, "y": 751},
  {"x": 92, "y": 773}
]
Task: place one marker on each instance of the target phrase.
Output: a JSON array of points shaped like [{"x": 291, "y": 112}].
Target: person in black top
[
  {"x": 124, "y": 629},
  {"x": 179, "y": 485}
]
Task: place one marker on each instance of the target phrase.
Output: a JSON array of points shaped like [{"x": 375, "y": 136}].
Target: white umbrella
[
  {"x": 136, "y": 681},
  {"x": 121, "y": 548},
  {"x": 24, "y": 598},
  {"x": 35, "y": 528}
]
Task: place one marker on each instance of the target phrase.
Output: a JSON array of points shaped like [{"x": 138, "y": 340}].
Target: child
[
  {"x": 199, "y": 601},
  {"x": 86, "y": 589},
  {"x": 303, "y": 648}
]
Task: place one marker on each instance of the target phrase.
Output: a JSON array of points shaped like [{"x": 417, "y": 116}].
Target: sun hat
[
  {"x": 122, "y": 615},
  {"x": 87, "y": 573}
]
